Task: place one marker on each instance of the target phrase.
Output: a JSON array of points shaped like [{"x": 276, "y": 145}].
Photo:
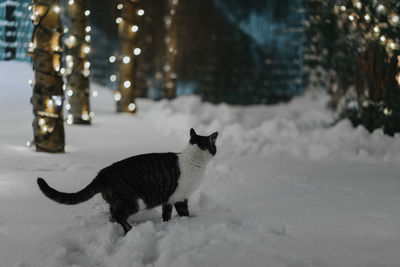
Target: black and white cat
[{"x": 146, "y": 181}]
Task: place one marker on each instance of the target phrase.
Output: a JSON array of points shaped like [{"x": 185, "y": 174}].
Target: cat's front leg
[
  {"x": 166, "y": 212},
  {"x": 182, "y": 208}
]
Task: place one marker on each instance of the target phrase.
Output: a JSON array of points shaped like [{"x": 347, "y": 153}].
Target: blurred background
[{"x": 240, "y": 52}]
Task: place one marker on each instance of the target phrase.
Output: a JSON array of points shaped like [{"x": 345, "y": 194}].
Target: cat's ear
[
  {"x": 213, "y": 137},
  {"x": 192, "y": 133}
]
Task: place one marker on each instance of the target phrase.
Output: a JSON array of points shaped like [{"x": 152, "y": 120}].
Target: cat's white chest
[{"x": 192, "y": 164}]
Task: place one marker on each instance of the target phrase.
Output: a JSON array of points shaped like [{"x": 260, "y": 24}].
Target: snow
[{"x": 285, "y": 188}]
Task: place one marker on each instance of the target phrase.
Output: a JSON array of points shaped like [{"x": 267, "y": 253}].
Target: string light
[
  {"x": 137, "y": 51},
  {"x": 70, "y": 92},
  {"x": 118, "y": 20},
  {"x": 87, "y": 13},
  {"x": 367, "y": 17},
  {"x": 41, "y": 121},
  {"x": 86, "y": 49},
  {"x": 120, "y": 6},
  {"x": 113, "y": 78},
  {"x": 68, "y": 106},
  {"x": 140, "y": 12},
  {"x": 112, "y": 59},
  {"x": 134, "y": 28},
  {"x": 70, "y": 119},
  {"x": 87, "y": 64},
  {"x": 95, "y": 93},
  {"x": 88, "y": 29},
  {"x": 376, "y": 29},
  {"x": 56, "y": 9},
  {"x": 127, "y": 84},
  {"x": 87, "y": 38},
  {"x": 71, "y": 2},
  {"x": 117, "y": 96},
  {"x": 126, "y": 59},
  {"x": 382, "y": 38},
  {"x": 132, "y": 106}
]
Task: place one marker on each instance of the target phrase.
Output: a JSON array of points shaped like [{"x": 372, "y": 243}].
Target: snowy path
[{"x": 282, "y": 191}]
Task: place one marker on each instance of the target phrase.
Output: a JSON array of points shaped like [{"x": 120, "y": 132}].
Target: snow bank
[{"x": 300, "y": 128}]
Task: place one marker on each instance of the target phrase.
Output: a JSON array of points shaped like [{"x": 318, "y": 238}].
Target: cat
[{"x": 146, "y": 181}]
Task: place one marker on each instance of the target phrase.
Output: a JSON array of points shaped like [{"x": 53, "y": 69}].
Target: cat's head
[{"x": 206, "y": 143}]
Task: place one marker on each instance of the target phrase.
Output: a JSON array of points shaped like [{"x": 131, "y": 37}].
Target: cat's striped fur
[{"x": 146, "y": 180}]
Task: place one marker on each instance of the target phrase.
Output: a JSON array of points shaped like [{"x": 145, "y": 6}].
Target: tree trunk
[
  {"x": 128, "y": 28},
  {"x": 48, "y": 96},
  {"x": 171, "y": 50},
  {"x": 77, "y": 51}
]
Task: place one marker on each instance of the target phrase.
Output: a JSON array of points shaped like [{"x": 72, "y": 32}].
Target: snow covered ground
[{"x": 283, "y": 190}]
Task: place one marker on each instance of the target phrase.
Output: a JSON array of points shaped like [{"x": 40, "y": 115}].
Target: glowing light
[
  {"x": 86, "y": 49},
  {"x": 398, "y": 78},
  {"x": 70, "y": 119},
  {"x": 64, "y": 87},
  {"x": 70, "y": 63},
  {"x": 383, "y": 38},
  {"x": 57, "y": 68},
  {"x": 95, "y": 93},
  {"x": 134, "y": 28},
  {"x": 113, "y": 78},
  {"x": 367, "y": 17},
  {"x": 395, "y": 19},
  {"x": 41, "y": 121},
  {"x": 167, "y": 68},
  {"x": 65, "y": 30},
  {"x": 127, "y": 84},
  {"x": 62, "y": 70},
  {"x": 87, "y": 64},
  {"x": 351, "y": 17},
  {"x": 137, "y": 51},
  {"x": 343, "y": 8},
  {"x": 56, "y": 48},
  {"x": 45, "y": 128},
  {"x": 126, "y": 59},
  {"x": 91, "y": 114},
  {"x": 112, "y": 59},
  {"x": 117, "y": 96},
  {"x": 380, "y": 8},
  {"x": 358, "y": 5},
  {"x": 387, "y": 112},
  {"x": 30, "y": 45},
  {"x": 118, "y": 20},
  {"x": 140, "y": 12},
  {"x": 120, "y": 6},
  {"x": 70, "y": 2},
  {"x": 68, "y": 106},
  {"x": 49, "y": 103},
  {"x": 70, "y": 92},
  {"x": 88, "y": 29},
  {"x": 87, "y": 13},
  {"x": 30, "y": 82},
  {"x": 58, "y": 102},
  {"x": 174, "y": 2},
  {"x": 86, "y": 73},
  {"x": 28, "y": 143},
  {"x": 85, "y": 116},
  {"x": 56, "y": 9},
  {"x": 87, "y": 38},
  {"x": 376, "y": 29},
  {"x": 132, "y": 106},
  {"x": 392, "y": 45},
  {"x": 68, "y": 57}
]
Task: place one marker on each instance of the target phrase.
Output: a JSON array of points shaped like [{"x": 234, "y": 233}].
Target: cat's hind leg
[
  {"x": 166, "y": 212},
  {"x": 120, "y": 213}
]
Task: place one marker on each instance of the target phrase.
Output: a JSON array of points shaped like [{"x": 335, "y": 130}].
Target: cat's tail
[{"x": 69, "y": 198}]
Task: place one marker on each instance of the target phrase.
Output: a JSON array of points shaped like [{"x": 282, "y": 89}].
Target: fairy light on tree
[
  {"x": 170, "y": 75},
  {"x": 372, "y": 31},
  {"x": 77, "y": 60},
  {"x": 130, "y": 16},
  {"x": 48, "y": 95}
]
